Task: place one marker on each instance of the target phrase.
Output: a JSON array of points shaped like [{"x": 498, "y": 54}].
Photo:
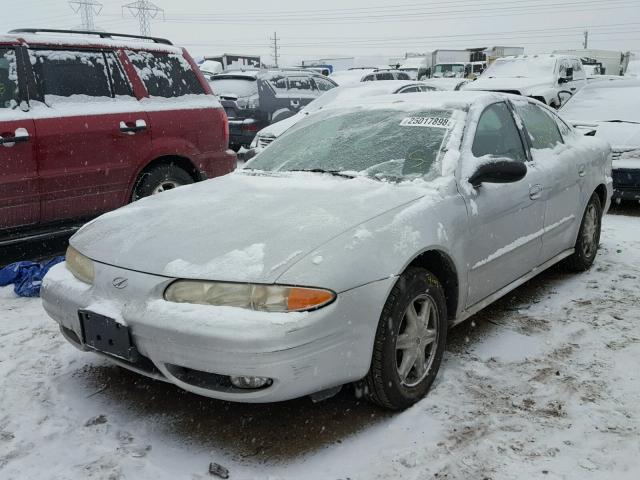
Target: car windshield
[
  {"x": 449, "y": 69},
  {"x": 234, "y": 86},
  {"x": 610, "y": 101},
  {"x": 529, "y": 67},
  {"x": 380, "y": 143}
]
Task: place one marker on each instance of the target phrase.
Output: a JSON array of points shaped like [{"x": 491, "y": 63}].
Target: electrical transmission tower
[
  {"x": 87, "y": 9},
  {"x": 275, "y": 55},
  {"x": 144, "y": 11}
]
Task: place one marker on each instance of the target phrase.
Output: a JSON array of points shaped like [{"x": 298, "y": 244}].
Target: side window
[
  {"x": 303, "y": 84},
  {"x": 324, "y": 85},
  {"x": 403, "y": 76},
  {"x": 165, "y": 74},
  {"x": 410, "y": 90},
  {"x": 497, "y": 134},
  {"x": 385, "y": 76},
  {"x": 64, "y": 73},
  {"x": 119, "y": 80},
  {"x": 279, "y": 83},
  {"x": 8, "y": 78},
  {"x": 542, "y": 129},
  {"x": 368, "y": 78}
]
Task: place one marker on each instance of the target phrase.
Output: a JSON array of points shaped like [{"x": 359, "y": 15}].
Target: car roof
[
  {"x": 389, "y": 86},
  {"x": 460, "y": 100},
  {"x": 84, "y": 41},
  {"x": 254, "y": 74},
  {"x": 538, "y": 55}
]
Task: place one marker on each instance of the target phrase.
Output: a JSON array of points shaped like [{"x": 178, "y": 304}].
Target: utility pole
[
  {"x": 275, "y": 48},
  {"x": 586, "y": 39},
  {"x": 87, "y": 9},
  {"x": 144, "y": 11}
]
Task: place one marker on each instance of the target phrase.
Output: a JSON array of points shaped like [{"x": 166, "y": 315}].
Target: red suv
[{"x": 92, "y": 121}]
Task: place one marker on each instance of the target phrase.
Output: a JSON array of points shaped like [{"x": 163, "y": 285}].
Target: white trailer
[{"x": 612, "y": 62}]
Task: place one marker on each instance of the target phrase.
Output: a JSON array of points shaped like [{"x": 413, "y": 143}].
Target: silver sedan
[{"x": 340, "y": 254}]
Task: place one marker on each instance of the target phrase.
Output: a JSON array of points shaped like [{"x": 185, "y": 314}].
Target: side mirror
[{"x": 499, "y": 171}]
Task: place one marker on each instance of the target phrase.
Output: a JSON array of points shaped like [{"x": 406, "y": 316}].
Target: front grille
[{"x": 265, "y": 141}]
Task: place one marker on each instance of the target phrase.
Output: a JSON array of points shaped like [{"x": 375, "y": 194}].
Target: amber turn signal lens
[{"x": 307, "y": 298}]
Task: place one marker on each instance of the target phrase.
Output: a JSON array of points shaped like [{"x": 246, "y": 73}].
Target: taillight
[
  {"x": 249, "y": 127},
  {"x": 225, "y": 128}
]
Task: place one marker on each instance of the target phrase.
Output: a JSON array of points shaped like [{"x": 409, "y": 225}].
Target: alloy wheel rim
[
  {"x": 416, "y": 342},
  {"x": 590, "y": 231},
  {"x": 164, "y": 186}
]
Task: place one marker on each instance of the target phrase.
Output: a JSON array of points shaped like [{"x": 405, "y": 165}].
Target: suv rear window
[
  {"x": 65, "y": 73},
  {"x": 8, "y": 78},
  {"x": 235, "y": 86},
  {"x": 165, "y": 75}
]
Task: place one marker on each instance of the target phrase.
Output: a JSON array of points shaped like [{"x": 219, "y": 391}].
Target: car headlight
[
  {"x": 266, "y": 298},
  {"x": 80, "y": 266}
]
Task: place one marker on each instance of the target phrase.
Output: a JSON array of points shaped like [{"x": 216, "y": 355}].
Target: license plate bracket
[{"x": 105, "y": 335}]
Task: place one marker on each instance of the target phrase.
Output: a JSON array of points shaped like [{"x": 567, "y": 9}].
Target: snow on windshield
[
  {"x": 236, "y": 86},
  {"x": 379, "y": 143},
  {"x": 606, "y": 101},
  {"x": 527, "y": 67}
]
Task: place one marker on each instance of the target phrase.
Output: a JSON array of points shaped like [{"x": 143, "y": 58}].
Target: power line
[
  {"x": 144, "y": 11},
  {"x": 87, "y": 9}
]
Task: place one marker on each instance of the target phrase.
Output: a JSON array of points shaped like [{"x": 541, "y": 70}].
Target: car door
[
  {"x": 91, "y": 134},
  {"x": 506, "y": 220},
  {"x": 560, "y": 166},
  {"x": 302, "y": 91},
  {"x": 19, "y": 195}
]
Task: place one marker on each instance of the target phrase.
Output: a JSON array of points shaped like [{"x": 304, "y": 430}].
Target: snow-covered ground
[{"x": 544, "y": 384}]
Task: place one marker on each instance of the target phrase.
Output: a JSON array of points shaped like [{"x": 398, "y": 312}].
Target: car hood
[
  {"x": 278, "y": 128},
  {"x": 519, "y": 84},
  {"x": 620, "y": 135},
  {"x": 240, "y": 227}
]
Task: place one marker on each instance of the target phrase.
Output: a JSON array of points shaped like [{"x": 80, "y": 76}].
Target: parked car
[
  {"x": 369, "y": 229},
  {"x": 90, "y": 124},
  {"x": 611, "y": 110},
  {"x": 550, "y": 79},
  {"x": 352, "y": 76},
  {"x": 335, "y": 97},
  {"x": 386, "y": 75},
  {"x": 254, "y": 99}
]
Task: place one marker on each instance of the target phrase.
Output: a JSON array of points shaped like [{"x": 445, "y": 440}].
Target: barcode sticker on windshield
[{"x": 438, "y": 122}]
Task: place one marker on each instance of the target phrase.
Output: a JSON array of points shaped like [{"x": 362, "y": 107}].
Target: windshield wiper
[
  {"x": 621, "y": 121},
  {"x": 336, "y": 173}
]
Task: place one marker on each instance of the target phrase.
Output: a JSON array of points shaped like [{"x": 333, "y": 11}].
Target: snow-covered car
[
  {"x": 386, "y": 74},
  {"x": 360, "y": 90},
  {"x": 352, "y": 76},
  {"x": 368, "y": 231},
  {"x": 611, "y": 110},
  {"x": 549, "y": 78},
  {"x": 446, "y": 83}
]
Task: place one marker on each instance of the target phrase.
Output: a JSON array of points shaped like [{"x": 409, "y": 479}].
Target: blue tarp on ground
[{"x": 27, "y": 276}]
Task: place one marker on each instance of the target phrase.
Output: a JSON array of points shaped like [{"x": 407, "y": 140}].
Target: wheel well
[
  {"x": 182, "y": 162},
  {"x": 444, "y": 269},
  {"x": 601, "y": 190}
]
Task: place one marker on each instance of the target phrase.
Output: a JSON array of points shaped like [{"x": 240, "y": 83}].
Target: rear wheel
[
  {"x": 409, "y": 342},
  {"x": 588, "y": 240},
  {"x": 160, "y": 178}
]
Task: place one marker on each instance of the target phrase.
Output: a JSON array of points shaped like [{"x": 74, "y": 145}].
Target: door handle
[
  {"x": 21, "y": 135},
  {"x": 582, "y": 171},
  {"x": 129, "y": 129},
  {"x": 535, "y": 192}
]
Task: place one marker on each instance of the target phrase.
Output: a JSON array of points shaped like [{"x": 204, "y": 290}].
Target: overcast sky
[{"x": 309, "y": 30}]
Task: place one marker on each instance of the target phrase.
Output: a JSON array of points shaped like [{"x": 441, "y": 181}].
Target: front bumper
[{"x": 192, "y": 346}]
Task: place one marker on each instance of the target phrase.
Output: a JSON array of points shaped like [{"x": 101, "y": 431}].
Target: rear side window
[
  {"x": 497, "y": 134},
  {"x": 368, "y": 78},
  {"x": 385, "y": 76},
  {"x": 8, "y": 78},
  {"x": 542, "y": 129},
  {"x": 165, "y": 74},
  {"x": 324, "y": 85},
  {"x": 279, "y": 83},
  {"x": 403, "y": 76},
  {"x": 64, "y": 73}
]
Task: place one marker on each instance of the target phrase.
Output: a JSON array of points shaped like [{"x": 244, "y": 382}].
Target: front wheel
[
  {"x": 588, "y": 240},
  {"x": 159, "y": 179},
  {"x": 410, "y": 341}
]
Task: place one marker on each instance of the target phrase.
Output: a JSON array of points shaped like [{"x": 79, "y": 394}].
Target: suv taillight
[{"x": 225, "y": 128}]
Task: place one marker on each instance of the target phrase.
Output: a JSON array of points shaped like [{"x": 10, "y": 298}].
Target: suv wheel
[
  {"x": 588, "y": 240},
  {"x": 159, "y": 179},
  {"x": 409, "y": 342}
]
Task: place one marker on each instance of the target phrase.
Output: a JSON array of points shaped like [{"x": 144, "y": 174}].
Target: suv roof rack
[{"x": 85, "y": 32}]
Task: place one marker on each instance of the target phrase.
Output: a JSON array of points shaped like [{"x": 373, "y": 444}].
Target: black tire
[
  {"x": 160, "y": 178},
  {"x": 586, "y": 247},
  {"x": 383, "y": 384}
]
